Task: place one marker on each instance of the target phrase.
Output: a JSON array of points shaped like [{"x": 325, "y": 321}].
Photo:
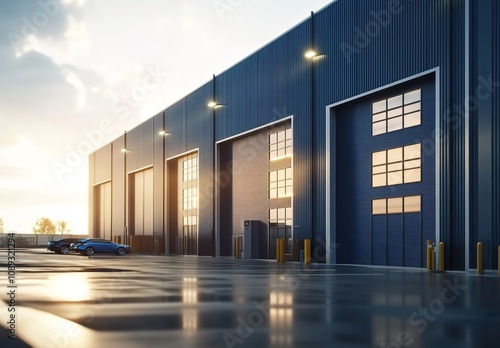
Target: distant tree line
[{"x": 45, "y": 226}]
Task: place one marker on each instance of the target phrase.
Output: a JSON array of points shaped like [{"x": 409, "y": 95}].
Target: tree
[
  {"x": 44, "y": 226},
  {"x": 62, "y": 227},
  {"x": 1, "y": 225}
]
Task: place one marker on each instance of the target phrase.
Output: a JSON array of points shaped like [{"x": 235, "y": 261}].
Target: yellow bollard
[
  {"x": 278, "y": 250},
  {"x": 307, "y": 251},
  {"x": 433, "y": 257},
  {"x": 429, "y": 255},
  {"x": 282, "y": 250},
  {"x": 441, "y": 257},
  {"x": 479, "y": 258}
]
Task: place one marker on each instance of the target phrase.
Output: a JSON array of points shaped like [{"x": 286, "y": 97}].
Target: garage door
[{"x": 385, "y": 176}]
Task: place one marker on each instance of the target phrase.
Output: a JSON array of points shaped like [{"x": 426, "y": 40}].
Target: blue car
[{"x": 90, "y": 246}]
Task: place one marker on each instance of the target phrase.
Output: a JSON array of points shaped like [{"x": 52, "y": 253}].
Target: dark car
[
  {"x": 61, "y": 246},
  {"x": 89, "y": 246}
]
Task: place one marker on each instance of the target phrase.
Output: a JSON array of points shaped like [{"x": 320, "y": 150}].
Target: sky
[{"x": 75, "y": 74}]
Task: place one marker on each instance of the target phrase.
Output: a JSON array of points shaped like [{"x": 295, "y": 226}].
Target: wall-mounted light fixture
[
  {"x": 313, "y": 55},
  {"x": 310, "y": 54},
  {"x": 163, "y": 133}
]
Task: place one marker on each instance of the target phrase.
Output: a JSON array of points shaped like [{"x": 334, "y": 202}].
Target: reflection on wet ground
[{"x": 166, "y": 301}]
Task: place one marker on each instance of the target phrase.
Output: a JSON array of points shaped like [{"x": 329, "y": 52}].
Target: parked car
[
  {"x": 61, "y": 246},
  {"x": 89, "y": 246}
]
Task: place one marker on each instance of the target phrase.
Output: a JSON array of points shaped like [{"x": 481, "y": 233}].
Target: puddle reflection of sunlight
[{"x": 69, "y": 287}]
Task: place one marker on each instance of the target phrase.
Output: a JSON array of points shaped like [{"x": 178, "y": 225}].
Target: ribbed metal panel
[
  {"x": 102, "y": 172},
  {"x": 270, "y": 85},
  {"x": 140, "y": 146},
  {"x": 117, "y": 188},
  {"x": 158, "y": 176},
  {"x": 395, "y": 43},
  {"x": 365, "y": 45},
  {"x": 189, "y": 122},
  {"x": 454, "y": 121},
  {"x": 496, "y": 126}
]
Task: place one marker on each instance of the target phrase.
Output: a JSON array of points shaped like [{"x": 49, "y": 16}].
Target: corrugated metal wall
[
  {"x": 369, "y": 44},
  {"x": 496, "y": 124},
  {"x": 269, "y": 85},
  {"x": 364, "y": 45}
]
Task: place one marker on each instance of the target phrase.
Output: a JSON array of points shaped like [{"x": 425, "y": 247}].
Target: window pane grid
[
  {"x": 280, "y": 144},
  {"x": 397, "y": 205},
  {"x": 280, "y": 183},
  {"x": 396, "y": 166},
  {"x": 190, "y": 198},
  {"x": 395, "y": 113},
  {"x": 190, "y": 169},
  {"x": 282, "y": 216}
]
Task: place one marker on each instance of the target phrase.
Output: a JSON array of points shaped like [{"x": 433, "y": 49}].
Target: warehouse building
[{"x": 369, "y": 128}]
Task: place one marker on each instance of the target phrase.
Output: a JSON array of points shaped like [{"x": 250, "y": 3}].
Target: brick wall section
[{"x": 250, "y": 180}]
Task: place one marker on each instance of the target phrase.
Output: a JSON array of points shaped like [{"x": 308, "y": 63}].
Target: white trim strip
[
  {"x": 467, "y": 138},
  {"x": 256, "y": 129},
  {"x": 102, "y": 182},
  {"x": 184, "y": 154},
  {"x": 140, "y": 169}
]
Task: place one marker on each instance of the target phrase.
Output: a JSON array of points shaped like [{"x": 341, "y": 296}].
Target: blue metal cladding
[
  {"x": 454, "y": 121},
  {"x": 140, "y": 146},
  {"x": 358, "y": 232},
  {"x": 410, "y": 38},
  {"x": 190, "y": 123},
  {"x": 365, "y": 45},
  {"x": 496, "y": 125},
  {"x": 483, "y": 103},
  {"x": 270, "y": 85}
]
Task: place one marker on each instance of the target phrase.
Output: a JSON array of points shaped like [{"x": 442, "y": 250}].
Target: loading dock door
[{"x": 385, "y": 176}]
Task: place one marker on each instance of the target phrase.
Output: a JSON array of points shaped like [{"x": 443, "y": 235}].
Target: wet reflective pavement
[{"x": 175, "y": 301}]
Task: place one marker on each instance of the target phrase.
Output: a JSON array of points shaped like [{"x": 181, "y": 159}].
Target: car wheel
[
  {"x": 89, "y": 251},
  {"x": 121, "y": 251},
  {"x": 64, "y": 250}
]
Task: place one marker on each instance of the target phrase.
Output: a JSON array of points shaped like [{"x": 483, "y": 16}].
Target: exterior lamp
[{"x": 310, "y": 54}]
